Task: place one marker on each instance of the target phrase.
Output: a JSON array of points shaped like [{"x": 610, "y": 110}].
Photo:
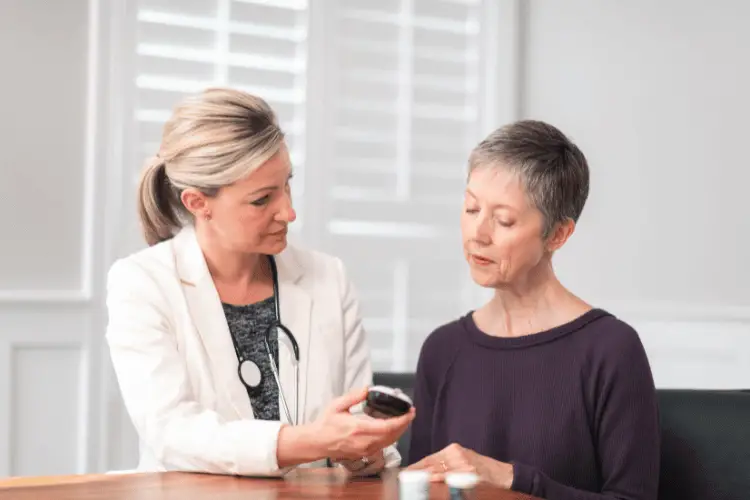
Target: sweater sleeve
[{"x": 626, "y": 429}]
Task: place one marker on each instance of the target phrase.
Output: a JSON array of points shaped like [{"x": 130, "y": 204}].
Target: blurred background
[{"x": 382, "y": 102}]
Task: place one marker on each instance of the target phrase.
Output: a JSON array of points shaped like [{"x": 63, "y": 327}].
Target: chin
[
  {"x": 481, "y": 278},
  {"x": 274, "y": 247},
  {"x": 486, "y": 279}
]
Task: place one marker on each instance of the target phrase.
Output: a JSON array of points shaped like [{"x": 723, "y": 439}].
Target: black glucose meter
[{"x": 386, "y": 402}]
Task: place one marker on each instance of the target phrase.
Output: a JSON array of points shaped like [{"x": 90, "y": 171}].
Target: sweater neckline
[{"x": 480, "y": 337}]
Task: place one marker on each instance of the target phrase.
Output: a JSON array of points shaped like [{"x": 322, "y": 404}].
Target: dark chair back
[
  {"x": 705, "y": 445},
  {"x": 404, "y": 382},
  {"x": 705, "y": 449}
]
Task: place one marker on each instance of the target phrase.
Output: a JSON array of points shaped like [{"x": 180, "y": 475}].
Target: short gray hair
[{"x": 553, "y": 170}]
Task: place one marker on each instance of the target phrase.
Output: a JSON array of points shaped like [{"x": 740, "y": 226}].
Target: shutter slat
[
  {"x": 299, "y": 5},
  {"x": 211, "y": 24},
  {"x": 428, "y": 23},
  {"x": 209, "y": 56}
]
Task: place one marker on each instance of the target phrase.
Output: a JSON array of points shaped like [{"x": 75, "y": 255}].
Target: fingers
[
  {"x": 385, "y": 425},
  {"x": 426, "y": 463},
  {"x": 351, "y": 464},
  {"x": 397, "y": 425},
  {"x": 375, "y": 465},
  {"x": 450, "y": 458},
  {"x": 421, "y": 465},
  {"x": 351, "y": 398},
  {"x": 357, "y": 467},
  {"x": 365, "y": 436},
  {"x": 400, "y": 424},
  {"x": 373, "y": 468},
  {"x": 404, "y": 420}
]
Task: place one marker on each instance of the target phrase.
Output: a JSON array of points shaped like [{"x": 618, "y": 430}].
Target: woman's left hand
[
  {"x": 365, "y": 466},
  {"x": 456, "y": 458}
]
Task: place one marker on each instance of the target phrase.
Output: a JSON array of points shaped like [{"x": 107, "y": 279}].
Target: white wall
[
  {"x": 52, "y": 137},
  {"x": 654, "y": 92}
]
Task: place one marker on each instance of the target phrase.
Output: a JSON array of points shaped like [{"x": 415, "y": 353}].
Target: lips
[{"x": 482, "y": 261}]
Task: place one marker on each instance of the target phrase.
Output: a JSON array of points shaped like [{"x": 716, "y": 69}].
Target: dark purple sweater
[{"x": 573, "y": 408}]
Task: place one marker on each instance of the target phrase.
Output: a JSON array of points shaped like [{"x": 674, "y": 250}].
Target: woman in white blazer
[{"x": 200, "y": 301}]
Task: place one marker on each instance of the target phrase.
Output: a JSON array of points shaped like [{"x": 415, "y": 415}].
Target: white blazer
[{"x": 177, "y": 367}]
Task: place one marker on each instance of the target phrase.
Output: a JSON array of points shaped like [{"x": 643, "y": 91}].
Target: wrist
[
  {"x": 501, "y": 474},
  {"x": 298, "y": 444},
  {"x": 509, "y": 471}
]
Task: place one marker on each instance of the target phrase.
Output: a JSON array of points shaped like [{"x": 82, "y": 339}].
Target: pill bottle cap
[
  {"x": 462, "y": 480},
  {"x": 414, "y": 476}
]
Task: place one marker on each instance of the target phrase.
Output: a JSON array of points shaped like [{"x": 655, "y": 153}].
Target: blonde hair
[{"x": 212, "y": 139}]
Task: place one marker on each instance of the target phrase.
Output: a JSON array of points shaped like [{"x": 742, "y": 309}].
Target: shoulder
[
  {"x": 319, "y": 272},
  {"x": 614, "y": 337},
  {"x": 154, "y": 262},
  {"x": 145, "y": 278},
  {"x": 616, "y": 347},
  {"x": 442, "y": 343}
]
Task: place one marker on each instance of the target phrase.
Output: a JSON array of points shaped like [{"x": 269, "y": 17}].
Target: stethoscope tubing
[{"x": 276, "y": 325}]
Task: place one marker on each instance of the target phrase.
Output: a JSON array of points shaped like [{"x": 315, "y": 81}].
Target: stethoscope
[{"x": 249, "y": 372}]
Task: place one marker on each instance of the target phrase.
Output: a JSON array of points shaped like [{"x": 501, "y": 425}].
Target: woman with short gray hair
[{"x": 536, "y": 391}]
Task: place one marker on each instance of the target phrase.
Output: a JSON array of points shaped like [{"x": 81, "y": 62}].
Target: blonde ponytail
[
  {"x": 212, "y": 140},
  {"x": 157, "y": 203}
]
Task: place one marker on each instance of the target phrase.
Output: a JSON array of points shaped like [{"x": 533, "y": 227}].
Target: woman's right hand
[
  {"x": 338, "y": 434},
  {"x": 347, "y": 436}
]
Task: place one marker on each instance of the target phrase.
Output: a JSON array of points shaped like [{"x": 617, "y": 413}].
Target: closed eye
[
  {"x": 504, "y": 223},
  {"x": 261, "y": 201}
]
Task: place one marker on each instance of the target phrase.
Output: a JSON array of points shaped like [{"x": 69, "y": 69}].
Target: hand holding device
[
  {"x": 338, "y": 434},
  {"x": 353, "y": 437}
]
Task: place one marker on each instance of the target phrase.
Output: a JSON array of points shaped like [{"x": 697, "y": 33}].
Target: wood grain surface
[{"x": 298, "y": 484}]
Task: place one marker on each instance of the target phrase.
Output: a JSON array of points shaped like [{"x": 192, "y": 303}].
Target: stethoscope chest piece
[{"x": 250, "y": 374}]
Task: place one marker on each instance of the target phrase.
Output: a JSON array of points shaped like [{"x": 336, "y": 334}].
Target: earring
[{"x": 207, "y": 216}]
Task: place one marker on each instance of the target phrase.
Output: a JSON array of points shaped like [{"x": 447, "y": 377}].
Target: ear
[
  {"x": 195, "y": 201},
  {"x": 560, "y": 234}
]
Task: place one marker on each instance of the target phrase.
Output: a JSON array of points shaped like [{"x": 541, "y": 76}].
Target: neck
[
  {"x": 534, "y": 304},
  {"x": 231, "y": 267}
]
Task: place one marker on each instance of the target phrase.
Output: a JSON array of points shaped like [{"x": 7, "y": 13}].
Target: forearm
[
  {"x": 197, "y": 440},
  {"x": 530, "y": 480},
  {"x": 299, "y": 444}
]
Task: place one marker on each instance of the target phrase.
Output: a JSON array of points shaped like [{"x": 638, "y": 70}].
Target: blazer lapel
[
  {"x": 208, "y": 317},
  {"x": 296, "y": 308}
]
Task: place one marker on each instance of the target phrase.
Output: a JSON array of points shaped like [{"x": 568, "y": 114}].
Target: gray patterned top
[{"x": 248, "y": 324}]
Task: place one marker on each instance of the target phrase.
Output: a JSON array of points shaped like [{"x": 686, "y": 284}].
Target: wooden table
[{"x": 301, "y": 483}]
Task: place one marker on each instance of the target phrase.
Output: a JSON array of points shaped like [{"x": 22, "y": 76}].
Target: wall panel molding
[
  {"x": 6, "y": 451},
  {"x": 37, "y": 368},
  {"x": 83, "y": 292},
  {"x": 42, "y": 297}
]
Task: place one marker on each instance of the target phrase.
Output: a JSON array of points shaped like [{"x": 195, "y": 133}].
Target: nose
[
  {"x": 482, "y": 230},
  {"x": 286, "y": 213}
]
